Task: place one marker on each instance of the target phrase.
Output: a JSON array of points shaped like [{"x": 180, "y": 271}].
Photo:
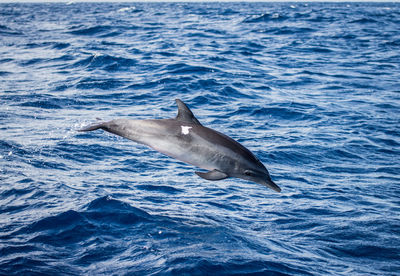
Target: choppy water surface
[{"x": 311, "y": 89}]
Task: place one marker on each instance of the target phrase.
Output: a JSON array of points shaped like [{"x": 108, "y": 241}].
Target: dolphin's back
[{"x": 227, "y": 142}]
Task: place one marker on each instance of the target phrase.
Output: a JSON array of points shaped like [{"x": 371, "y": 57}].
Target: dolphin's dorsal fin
[{"x": 184, "y": 113}]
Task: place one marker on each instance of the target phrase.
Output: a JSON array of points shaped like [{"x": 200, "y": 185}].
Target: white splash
[
  {"x": 185, "y": 129},
  {"x": 127, "y": 9}
]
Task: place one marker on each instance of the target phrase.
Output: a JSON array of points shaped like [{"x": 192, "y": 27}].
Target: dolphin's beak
[{"x": 270, "y": 184}]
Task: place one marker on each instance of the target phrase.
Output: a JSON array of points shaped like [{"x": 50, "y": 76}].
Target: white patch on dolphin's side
[{"x": 185, "y": 129}]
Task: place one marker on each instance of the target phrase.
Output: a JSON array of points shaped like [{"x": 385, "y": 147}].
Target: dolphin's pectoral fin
[
  {"x": 184, "y": 114},
  {"x": 212, "y": 175}
]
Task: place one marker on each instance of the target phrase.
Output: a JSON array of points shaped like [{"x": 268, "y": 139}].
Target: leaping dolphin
[{"x": 185, "y": 139}]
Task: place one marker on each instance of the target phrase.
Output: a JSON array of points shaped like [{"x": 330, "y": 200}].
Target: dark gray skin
[{"x": 185, "y": 139}]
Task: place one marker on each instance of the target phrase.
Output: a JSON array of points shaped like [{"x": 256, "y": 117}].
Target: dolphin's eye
[{"x": 248, "y": 173}]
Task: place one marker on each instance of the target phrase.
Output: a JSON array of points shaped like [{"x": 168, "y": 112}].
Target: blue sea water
[{"x": 311, "y": 88}]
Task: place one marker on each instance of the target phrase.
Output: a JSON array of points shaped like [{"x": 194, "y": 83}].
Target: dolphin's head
[{"x": 258, "y": 174}]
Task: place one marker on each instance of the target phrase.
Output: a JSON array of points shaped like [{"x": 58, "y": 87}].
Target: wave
[
  {"x": 7, "y": 31},
  {"x": 310, "y": 88},
  {"x": 105, "y": 62},
  {"x": 103, "y": 84},
  {"x": 104, "y": 221},
  {"x": 183, "y": 68},
  {"x": 48, "y": 44},
  {"x": 89, "y": 31},
  {"x": 266, "y": 17}
]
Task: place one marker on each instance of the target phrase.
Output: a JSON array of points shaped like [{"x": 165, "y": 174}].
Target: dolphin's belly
[
  {"x": 184, "y": 152},
  {"x": 192, "y": 149}
]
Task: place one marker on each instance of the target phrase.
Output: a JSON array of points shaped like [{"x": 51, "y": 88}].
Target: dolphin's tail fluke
[{"x": 92, "y": 127}]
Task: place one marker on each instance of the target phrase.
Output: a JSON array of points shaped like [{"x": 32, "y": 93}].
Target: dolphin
[{"x": 187, "y": 140}]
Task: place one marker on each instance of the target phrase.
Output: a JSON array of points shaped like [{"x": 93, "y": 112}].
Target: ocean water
[{"x": 312, "y": 89}]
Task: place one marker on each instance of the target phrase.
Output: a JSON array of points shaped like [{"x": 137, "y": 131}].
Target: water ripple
[{"x": 310, "y": 88}]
